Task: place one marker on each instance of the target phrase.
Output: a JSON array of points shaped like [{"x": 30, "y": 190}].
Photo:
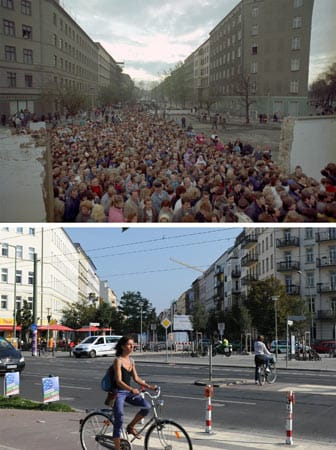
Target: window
[
  {"x": 4, "y": 250},
  {"x": 254, "y": 49},
  {"x": 296, "y": 43},
  {"x": 31, "y": 251},
  {"x": 18, "y": 276},
  {"x": 297, "y": 22},
  {"x": 27, "y": 56},
  {"x": 310, "y": 280},
  {"x": 295, "y": 64},
  {"x": 309, "y": 255},
  {"x": 4, "y": 275},
  {"x": 31, "y": 231},
  {"x": 332, "y": 255},
  {"x": 11, "y": 79},
  {"x": 19, "y": 251},
  {"x": 294, "y": 87},
  {"x": 333, "y": 281},
  {"x": 298, "y": 3},
  {"x": 254, "y": 67},
  {"x": 30, "y": 277},
  {"x": 27, "y": 32},
  {"x": 9, "y": 28},
  {"x": 7, "y": 4},
  {"x": 308, "y": 233},
  {"x": 18, "y": 302},
  {"x": 28, "y": 81},
  {"x": 55, "y": 60},
  {"x": 54, "y": 19},
  {"x": 10, "y": 53},
  {"x": 4, "y": 301},
  {"x": 26, "y": 7},
  {"x": 54, "y": 40},
  {"x": 19, "y": 230},
  {"x": 255, "y": 12},
  {"x": 255, "y": 30}
]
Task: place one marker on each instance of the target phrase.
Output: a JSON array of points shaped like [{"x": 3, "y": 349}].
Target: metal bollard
[
  {"x": 208, "y": 391},
  {"x": 289, "y": 420}
]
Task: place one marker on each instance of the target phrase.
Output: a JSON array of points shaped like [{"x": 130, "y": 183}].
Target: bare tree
[{"x": 244, "y": 88}]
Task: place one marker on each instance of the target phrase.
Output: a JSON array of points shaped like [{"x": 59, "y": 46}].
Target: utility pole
[{"x": 34, "y": 325}]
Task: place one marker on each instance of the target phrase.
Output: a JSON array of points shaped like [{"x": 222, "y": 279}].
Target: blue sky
[
  {"x": 139, "y": 259},
  {"x": 152, "y": 36}
]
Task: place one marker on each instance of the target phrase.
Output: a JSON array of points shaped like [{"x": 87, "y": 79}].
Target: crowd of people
[{"x": 137, "y": 167}]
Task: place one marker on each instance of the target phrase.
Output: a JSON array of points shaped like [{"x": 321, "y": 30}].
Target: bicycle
[
  {"x": 267, "y": 376},
  {"x": 96, "y": 430}
]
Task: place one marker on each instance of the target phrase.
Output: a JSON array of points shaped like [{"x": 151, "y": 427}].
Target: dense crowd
[{"x": 136, "y": 167}]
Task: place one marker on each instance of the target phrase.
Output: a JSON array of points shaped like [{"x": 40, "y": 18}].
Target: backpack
[{"x": 107, "y": 382}]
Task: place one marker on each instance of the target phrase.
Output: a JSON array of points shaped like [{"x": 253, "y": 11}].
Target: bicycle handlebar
[{"x": 153, "y": 396}]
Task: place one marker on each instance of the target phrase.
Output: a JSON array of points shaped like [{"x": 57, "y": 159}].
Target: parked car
[
  {"x": 93, "y": 346},
  {"x": 326, "y": 347},
  {"x": 282, "y": 346},
  {"x": 11, "y": 359}
]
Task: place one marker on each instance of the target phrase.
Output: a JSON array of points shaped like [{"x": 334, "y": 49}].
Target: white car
[{"x": 93, "y": 346}]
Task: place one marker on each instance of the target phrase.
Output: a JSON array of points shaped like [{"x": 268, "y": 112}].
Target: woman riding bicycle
[
  {"x": 262, "y": 356},
  {"x": 124, "y": 370}
]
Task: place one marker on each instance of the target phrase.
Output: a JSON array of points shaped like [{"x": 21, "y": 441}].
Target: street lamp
[
  {"x": 311, "y": 305},
  {"x": 275, "y": 298},
  {"x": 48, "y": 319},
  {"x": 141, "y": 304},
  {"x": 14, "y": 307}
]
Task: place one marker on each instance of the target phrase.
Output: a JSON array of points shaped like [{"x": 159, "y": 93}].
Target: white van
[{"x": 93, "y": 346}]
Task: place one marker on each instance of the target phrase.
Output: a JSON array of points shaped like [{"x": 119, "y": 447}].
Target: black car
[{"x": 11, "y": 360}]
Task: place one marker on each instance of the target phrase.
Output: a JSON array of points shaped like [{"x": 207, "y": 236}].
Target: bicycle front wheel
[
  {"x": 272, "y": 376},
  {"x": 168, "y": 435},
  {"x": 261, "y": 375},
  {"x": 96, "y": 431}
]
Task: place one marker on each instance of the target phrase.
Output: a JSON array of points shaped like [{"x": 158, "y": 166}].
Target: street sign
[
  {"x": 33, "y": 327},
  {"x": 94, "y": 324},
  {"x": 297, "y": 318},
  {"x": 166, "y": 323}
]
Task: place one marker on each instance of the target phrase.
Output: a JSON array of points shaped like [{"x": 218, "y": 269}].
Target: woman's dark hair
[{"x": 122, "y": 341}]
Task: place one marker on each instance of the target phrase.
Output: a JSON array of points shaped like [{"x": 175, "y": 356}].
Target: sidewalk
[{"x": 22, "y": 430}]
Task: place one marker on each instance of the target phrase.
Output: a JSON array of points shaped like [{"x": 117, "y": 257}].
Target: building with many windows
[
  {"x": 43, "y": 48},
  {"x": 64, "y": 274},
  {"x": 303, "y": 259}
]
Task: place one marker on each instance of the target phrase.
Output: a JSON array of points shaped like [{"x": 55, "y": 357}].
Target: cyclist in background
[{"x": 262, "y": 355}]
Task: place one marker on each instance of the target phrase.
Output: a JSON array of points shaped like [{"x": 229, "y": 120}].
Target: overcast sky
[
  {"x": 152, "y": 36},
  {"x": 139, "y": 259}
]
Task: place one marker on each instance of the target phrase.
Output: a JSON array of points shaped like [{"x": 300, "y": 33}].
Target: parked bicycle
[
  {"x": 96, "y": 430},
  {"x": 267, "y": 376}
]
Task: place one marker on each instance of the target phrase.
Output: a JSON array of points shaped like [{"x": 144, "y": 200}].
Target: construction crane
[{"x": 187, "y": 265}]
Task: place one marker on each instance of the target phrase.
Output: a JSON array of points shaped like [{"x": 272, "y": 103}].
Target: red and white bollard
[
  {"x": 208, "y": 391},
  {"x": 289, "y": 420}
]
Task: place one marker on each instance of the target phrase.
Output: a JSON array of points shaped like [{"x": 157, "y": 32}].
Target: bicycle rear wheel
[
  {"x": 167, "y": 435},
  {"x": 272, "y": 375},
  {"x": 261, "y": 375},
  {"x": 96, "y": 431}
]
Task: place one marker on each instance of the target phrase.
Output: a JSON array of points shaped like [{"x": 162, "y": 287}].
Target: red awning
[
  {"x": 54, "y": 327},
  {"x": 88, "y": 329},
  {"x": 9, "y": 327}
]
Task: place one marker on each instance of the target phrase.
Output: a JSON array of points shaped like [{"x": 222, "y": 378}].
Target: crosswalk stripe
[{"x": 311, "y": 389}]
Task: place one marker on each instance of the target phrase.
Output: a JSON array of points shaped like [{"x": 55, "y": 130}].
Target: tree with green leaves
[
  {"x": 78, "y": 314},
  {"x": 24, "y": 318},
  {"x": 199, "y": 318},
  {"x": 132, "y": 306}
]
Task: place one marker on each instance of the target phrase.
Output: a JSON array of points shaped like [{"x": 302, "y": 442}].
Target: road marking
[
  {"x": 217, "y": 401},
  {"x": 70, "y": 387},
  {"x": 311, "y": 389}
]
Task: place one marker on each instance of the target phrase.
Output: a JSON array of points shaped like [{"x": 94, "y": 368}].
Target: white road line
[
  {"x": 202, "y": 400},
  {"x": 311, "y": 389},
  {"x": 70, "y": 387}
]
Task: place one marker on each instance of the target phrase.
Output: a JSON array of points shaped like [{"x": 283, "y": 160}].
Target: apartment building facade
[
  {"x": 303, "y": 259},
  {"x": 266, "y": 44},
  {"x": 43, "y": 49},
  {"x": 64, "y": 274}
]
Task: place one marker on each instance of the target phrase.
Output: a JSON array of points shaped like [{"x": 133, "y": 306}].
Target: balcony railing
[
  {"x": 248, "y": 260},
  {"x": 288, "y": 266},
  {"x": 325, "y": 262},
  {"x": 329, "y": 235},
  {"x": 249, "y": 241},
  {"x": 326, "y": 314},
  {"x": 293, "y": 289},
  {"x": 288, "y": 242},
  {"x": 248, "y": 279},
  {"x": 323, "y": 288},
  {"x": 236, "y": 273}
]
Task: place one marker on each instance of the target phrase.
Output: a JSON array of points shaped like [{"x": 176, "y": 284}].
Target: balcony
[
  {"x": 236, "y": 273},
  {"x": 326, "y": 314},
  {"x": 249, "y": 279},
  {"x": 325, "y": 288},
  {"x": 288, "y": 242},
  {"x": 219, "y": 270},
  {"x": 249, "y": 260},
  {"x": 293, "y": 289},
  {"x": 288, "y": 266},
  {"x": 236, "y": 290},
  {"x": 329, "y": 235},
  {"x": 249, "y": 241},
  {"x": 325, "y": 262}
]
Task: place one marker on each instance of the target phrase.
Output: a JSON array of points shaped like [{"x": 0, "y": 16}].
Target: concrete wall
[
  {"x": 26, "y": 187},
  {"x": 308, "y": 142}
]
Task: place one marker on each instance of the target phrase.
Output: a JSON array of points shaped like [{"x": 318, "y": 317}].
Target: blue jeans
[{"x": 118, "y": 408}]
